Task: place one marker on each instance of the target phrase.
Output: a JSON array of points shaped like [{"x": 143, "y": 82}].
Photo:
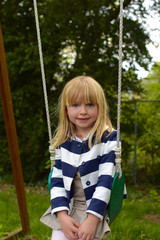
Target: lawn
[{"x": 139, "y": 218}]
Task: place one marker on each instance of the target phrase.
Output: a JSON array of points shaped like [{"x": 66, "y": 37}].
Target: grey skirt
[{"x": 78, "y": 212}]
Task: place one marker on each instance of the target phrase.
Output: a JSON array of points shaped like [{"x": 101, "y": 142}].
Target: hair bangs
[
  {"x": 72, "y": 95},
  {"x": 81, "y": 91},
  {"x": 90, "y": 95}
]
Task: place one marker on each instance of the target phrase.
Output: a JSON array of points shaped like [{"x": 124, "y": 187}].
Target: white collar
[{"x": 80, "y": 140}]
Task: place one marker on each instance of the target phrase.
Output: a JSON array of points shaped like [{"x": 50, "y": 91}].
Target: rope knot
[
  {"x": 118, "y": 160},
  {"x": 118, "y": 155},
  {"x": 52, "y": 156}
]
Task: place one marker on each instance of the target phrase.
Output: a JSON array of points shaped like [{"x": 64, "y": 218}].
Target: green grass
[
  {"x": 37, "y": 203},
  {"x": 139, "y": 218}
]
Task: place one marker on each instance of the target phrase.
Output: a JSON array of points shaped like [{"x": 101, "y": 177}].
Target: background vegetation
[
  {"x": 79, "y": 37},
  {"x": 142, "y": 223}
]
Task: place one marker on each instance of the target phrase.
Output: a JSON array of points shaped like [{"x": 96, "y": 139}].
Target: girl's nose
[{"x": 83, "y": 109}]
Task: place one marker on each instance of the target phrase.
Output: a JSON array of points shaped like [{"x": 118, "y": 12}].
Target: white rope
[
  {"x": 118, "y": 149},
  {"x": 42, "y": 69}
]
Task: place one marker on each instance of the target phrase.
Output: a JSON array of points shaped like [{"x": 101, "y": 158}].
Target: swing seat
[
  {"x": 49, "y": 180},
  {"x": 116, "y": 198}
]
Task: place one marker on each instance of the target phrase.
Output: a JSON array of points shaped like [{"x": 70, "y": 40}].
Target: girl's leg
[{"x": 58, "y": 235}]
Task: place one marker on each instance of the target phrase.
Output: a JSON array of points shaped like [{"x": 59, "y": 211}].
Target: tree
[
  {"x": 149, "y": 118},
  {"x": 87, "y": 29},
  {"x": 152, "y": 83}
]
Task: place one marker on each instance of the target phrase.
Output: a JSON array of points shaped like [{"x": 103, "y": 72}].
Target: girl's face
[{"x": 83, "y": 116}]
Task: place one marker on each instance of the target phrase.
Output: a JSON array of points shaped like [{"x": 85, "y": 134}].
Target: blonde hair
[{"x": 92, "y": 93}]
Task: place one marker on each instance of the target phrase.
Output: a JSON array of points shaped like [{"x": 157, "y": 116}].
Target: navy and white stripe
[{"x": 96, "y": 167}]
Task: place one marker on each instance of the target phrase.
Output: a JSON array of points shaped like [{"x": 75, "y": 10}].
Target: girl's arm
[
  {"x": 101, "y": 195},
  {"x": 58, "y": 194}
]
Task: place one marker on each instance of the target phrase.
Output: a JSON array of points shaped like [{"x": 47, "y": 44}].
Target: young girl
[{"x": 81, "y": 182}]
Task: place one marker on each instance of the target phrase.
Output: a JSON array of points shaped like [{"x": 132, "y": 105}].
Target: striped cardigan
[{"x": 96, "y": 167}]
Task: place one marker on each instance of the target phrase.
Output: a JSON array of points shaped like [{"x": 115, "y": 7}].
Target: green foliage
[
  {"x": 1, "y": 232},
  {"x": 88, "y": 31},
  {"x": 152, "y": 83},
  {"x": 146, "y": 118},
  {"x": 9, "y": 210},
  {"x": 148, "y": 122},
  {"x": 138, "y": 219},
  {"x": 154, "y": 195},
  {"x": 37, "y": 202},
  {"x": 140, "y": 223}
]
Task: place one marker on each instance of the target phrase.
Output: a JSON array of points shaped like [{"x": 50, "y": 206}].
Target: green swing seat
[
  {"x": 116, "y": 198},
  {"x": 49, "y": 180}
]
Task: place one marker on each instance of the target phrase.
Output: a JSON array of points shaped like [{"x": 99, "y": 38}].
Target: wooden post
[{"x": 12, "y": 137}]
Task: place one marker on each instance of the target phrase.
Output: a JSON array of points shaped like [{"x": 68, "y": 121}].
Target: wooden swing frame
[{"x": 6, "y": 99}]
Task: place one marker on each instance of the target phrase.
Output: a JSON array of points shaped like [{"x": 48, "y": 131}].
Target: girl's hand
[
  {"x": 88, "y": 228},
  {"x": 69, "y": 225}
]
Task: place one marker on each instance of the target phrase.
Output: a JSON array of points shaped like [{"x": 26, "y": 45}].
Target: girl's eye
[
  {"x": 90, "y": 104},
  {"x": 75, "y": 105}
]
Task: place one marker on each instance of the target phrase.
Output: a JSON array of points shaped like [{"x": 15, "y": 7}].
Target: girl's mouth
[{"x": 83, "y": 119}]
